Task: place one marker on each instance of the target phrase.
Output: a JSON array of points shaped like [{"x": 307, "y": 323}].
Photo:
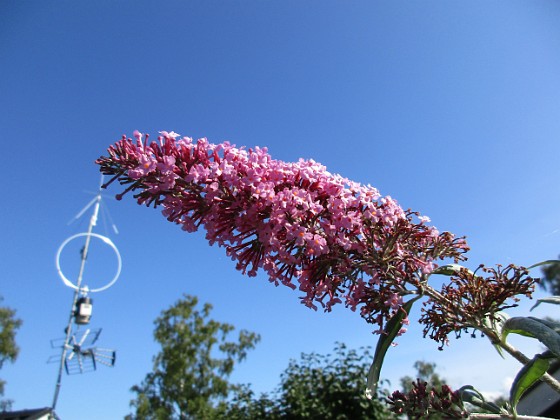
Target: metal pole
[{"x": 66, "y": 347}]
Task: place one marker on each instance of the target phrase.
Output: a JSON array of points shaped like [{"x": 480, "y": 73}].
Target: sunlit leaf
[
  {"x": 528, "y": 375},
  {"x": 392, "y": 329},
  {"x": 550, "y": 299},
  {"x": 547, "y": 262},
  {"x": 535, "y": 328},
  {"x": 472, "y": 396},
  {"x": 496, "y": 323},
  {"x": 550, "y": 323},
  {"x": 449, "y": 270}
]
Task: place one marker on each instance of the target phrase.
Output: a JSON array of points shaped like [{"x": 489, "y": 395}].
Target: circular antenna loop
[{"x": 105, "y": 240}]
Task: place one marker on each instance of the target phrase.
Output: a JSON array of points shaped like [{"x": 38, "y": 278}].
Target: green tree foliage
[
  {"x": 316, "y": 387},
  {"x": 190, "y": 373},
  {"x": 244, "y": 405},
  {"x": 9, "y": 350},
  {"x": 328, "y": 387},
  {"x": 551, "y": 278}
]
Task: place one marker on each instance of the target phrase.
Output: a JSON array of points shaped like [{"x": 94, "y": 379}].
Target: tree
[
  {"x": 329, "y": 387},
  {"x": 9, "y": 350},
  {"x": 244, "y": 405},
  {"x": 190, "y": 374},
  {"x": 551, "y": 278},
  {"x": 316, "y": 387}
]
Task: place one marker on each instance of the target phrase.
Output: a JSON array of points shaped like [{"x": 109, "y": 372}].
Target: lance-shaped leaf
[
  {"x": 392, "y": 329},
  {"x": 547, "y": 262},
  {"x": 471, "y": 395},
  {"x": 495, "y": 322},
  {"x": 449, "y": 270},
  {"x": 535, "y": 328},
  {"x": 528, "y": 375},
  {"x": 551, "y": 299},
  {"x": 550, "y": 323}
]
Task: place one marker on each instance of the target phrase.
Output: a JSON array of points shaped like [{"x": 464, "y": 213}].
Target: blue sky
[{"x": 453, "y": 108}]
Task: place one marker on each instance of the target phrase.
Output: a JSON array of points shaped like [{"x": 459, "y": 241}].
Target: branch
[
  {"x": 507, "y": 416},
  {"x": 492, "y": 336}
]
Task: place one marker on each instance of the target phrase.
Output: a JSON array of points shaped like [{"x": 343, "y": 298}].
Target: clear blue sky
[{"x": 453, "y": 108}]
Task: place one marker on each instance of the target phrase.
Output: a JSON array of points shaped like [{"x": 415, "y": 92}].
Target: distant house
[
  {"x": 46, "y": 413},
  {"x": 541, "y": 399}
]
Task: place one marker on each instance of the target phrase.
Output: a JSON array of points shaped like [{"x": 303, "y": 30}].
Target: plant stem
[
  {"x": 507, "y": 416},
  {"x": 493, "y": 337}
]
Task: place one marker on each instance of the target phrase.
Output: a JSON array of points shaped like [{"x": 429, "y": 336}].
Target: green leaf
[
  {"x": 534, "y": 328},
  {"x": 471, "y": 395},
  {"x": 449, "y": 270},
  {"x": 547, "y": 262},
  {"x": 392, "y": 328},
  {"x": 550, "y": 323},
  {"x": 551, "y": 299},
  {"x": 496, "y": 323},
  {"x": 527, "y": 376}
]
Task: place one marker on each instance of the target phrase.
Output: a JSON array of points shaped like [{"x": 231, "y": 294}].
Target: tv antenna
[
  {"x": 82, "y": 356},
  {"x": 78, "y": 352}
]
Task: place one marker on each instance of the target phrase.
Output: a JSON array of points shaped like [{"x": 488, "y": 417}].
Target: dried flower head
[
  {"x": 468, "y": 300},
  {"x": 423, "y": 402}
]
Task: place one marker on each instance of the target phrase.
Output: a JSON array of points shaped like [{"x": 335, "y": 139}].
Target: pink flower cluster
[{"x": 337, "y": 240}]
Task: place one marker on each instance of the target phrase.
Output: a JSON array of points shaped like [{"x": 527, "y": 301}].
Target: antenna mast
[{"x": 80, "y": 310}]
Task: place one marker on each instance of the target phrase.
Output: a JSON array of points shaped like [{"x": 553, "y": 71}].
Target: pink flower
[
  {"x": 146, "y": 164},
  {"x": 394, "y": 302},
  {"x": 338, "y": 240}
]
